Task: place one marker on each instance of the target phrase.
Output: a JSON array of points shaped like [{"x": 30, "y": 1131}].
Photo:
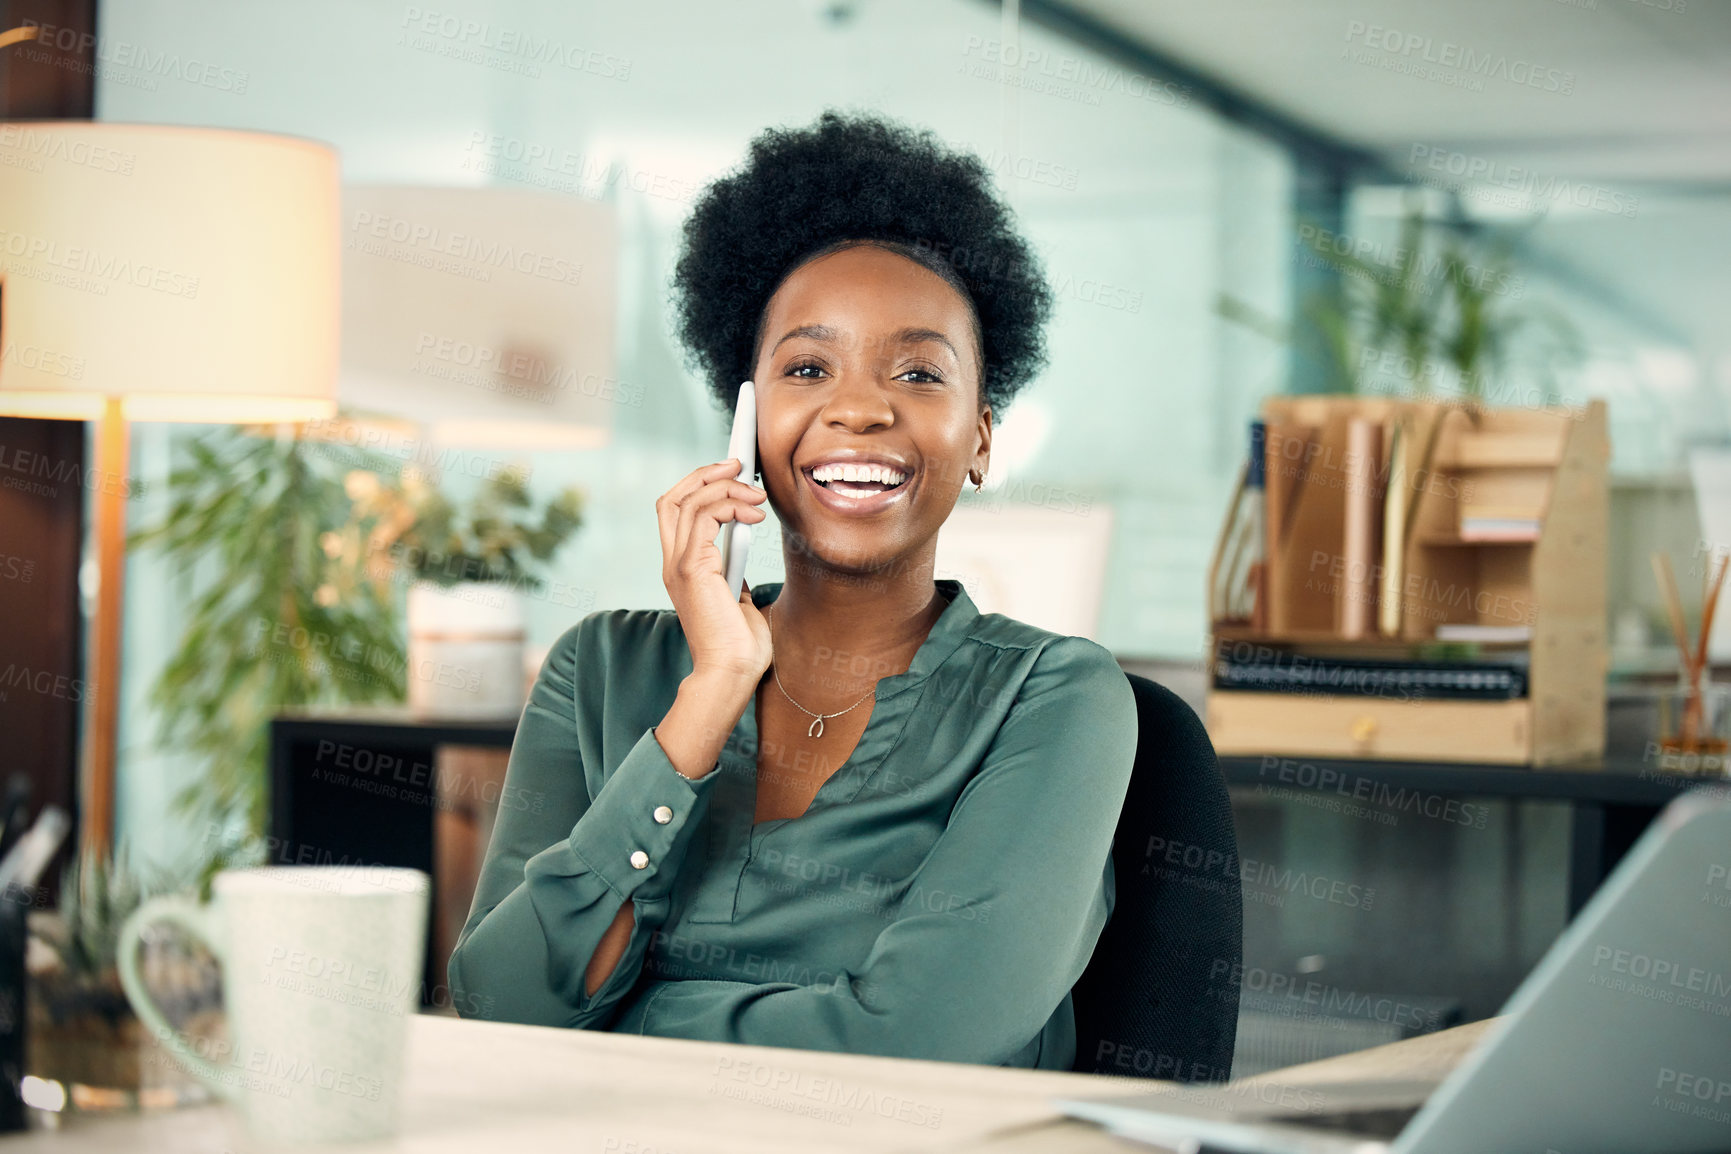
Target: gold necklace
[{"x": 815, "y": 729}]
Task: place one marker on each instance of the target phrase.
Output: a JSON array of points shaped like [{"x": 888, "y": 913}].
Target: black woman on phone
[{"x": 847, "y": 811}]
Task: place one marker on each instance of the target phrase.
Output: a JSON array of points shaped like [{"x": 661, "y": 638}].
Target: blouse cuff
[{"x": 635, "y": 832}]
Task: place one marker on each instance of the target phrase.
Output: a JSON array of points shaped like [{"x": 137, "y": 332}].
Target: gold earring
[{"x": 979, "y": 479}]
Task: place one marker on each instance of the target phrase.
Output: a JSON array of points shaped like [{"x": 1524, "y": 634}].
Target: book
[
  {"x": 1404, "y": 680},
  {"x": 1499, "y": 523},
  {"x": 1288, "y": 449},
  {"x": 1239, "y": 595},
  {"x": 1483, "y": 529},
  {"x": 1393, "y": 533},
  {"x": 1484, "y": 633},
  {"x": 1355, "y": 612}
]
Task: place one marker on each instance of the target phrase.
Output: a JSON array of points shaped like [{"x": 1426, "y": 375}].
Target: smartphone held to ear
[{"x": 741, "y": 443}]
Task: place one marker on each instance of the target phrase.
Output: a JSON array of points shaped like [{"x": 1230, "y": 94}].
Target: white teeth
[{"x": 882, "y": 474}]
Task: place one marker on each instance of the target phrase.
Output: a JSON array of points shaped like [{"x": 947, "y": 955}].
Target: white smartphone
[{"x": 741, "y": 443}]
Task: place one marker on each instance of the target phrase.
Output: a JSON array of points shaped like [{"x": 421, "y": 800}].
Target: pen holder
[
  {"x": 1694, "y": 728},
  {"x": 14, "y": 907}
]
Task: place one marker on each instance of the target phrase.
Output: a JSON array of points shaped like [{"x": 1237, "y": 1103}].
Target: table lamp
[
  {"x": 483, "y": 318},
  {"x": 160, "y": 273}
]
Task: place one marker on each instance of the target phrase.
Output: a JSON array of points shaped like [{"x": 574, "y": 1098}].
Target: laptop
[{"x": 1618, "y": 1041}]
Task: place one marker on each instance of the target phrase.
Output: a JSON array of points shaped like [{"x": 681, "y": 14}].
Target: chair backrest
[{"x": 1159, "y": 998}]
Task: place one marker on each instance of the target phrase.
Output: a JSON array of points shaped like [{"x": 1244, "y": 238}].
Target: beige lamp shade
[
  {"x": 484, "y": 316},
  {"x": 192, "y": 273}
]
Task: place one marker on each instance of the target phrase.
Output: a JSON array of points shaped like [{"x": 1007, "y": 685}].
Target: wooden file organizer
[{"x": 1550, "y": 461}]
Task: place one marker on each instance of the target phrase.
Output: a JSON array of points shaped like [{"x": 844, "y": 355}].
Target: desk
[
  {"x": 362, "y": 785},
  {"x": 483, "y": 1086},
  {"x": 1611, "y": 802},
  {"x": 357, "y": 784}
]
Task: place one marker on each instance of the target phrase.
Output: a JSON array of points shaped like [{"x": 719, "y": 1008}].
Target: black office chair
[{"x": 1159, "y": 998}]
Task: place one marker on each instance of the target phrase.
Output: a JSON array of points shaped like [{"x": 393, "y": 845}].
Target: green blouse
[{"x": 938, "y": 899}]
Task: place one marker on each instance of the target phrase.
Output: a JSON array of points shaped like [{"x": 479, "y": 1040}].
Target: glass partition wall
[{"x": 1146, "y": 207}]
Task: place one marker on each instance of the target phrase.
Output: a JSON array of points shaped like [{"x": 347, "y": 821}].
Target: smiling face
[{"x": 868, "y": 402}]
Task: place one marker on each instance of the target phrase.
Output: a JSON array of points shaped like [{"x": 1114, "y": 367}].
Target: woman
[{"x": 846, "y": 812}]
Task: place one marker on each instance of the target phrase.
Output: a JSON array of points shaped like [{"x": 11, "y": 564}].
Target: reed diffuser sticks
[{"x": 1694, "y": 657}]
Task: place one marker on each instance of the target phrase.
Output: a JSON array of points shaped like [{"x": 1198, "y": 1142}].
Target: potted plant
[
  {"x": 469, "y": 572},
  {"x": 297, "y": 545},
  {"x": 248, "y": 513},
  {"x": 1436, "y": 314},
  {"x": 82, "y": 1032}
]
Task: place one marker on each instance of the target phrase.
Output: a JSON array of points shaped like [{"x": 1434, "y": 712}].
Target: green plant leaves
[
  {"x": 1443, "y": 306},
  {"x": 297, "y": 555},
  {"x": 244, "y": 527},
  {"x": 425, "y": 534}
]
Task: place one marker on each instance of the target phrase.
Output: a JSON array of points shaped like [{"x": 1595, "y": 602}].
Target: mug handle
[{"x": 200, "y": 923}]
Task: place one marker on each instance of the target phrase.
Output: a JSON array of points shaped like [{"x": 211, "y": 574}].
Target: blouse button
[
  {"x": 663, "y": 814},
  {"x": 639, "y": 860}
]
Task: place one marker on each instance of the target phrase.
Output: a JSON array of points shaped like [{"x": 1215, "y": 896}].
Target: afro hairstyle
[{"x": 850, "y": 179}]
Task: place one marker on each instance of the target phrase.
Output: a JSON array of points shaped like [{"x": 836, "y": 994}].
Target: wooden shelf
[
  {"x": 1456, "y": 461},
  {"x": 1247, "y": 722},
  {"x": 1516, "y": 450},
  {"x": 1444, "y": 541},
  {"x": 1324, "y": 639}
]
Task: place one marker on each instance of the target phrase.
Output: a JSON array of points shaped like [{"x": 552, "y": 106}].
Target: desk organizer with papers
[{"x": 1414, "y": 579}]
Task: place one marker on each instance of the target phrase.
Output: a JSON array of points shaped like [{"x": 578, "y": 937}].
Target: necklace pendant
[{"x": 815, "y": 729}]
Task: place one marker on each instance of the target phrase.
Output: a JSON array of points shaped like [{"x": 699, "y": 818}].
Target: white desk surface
[{"x": 480, "y": 1087}]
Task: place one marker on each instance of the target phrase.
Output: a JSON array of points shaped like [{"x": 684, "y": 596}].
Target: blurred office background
[{"x": 1165, "y": 158}]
